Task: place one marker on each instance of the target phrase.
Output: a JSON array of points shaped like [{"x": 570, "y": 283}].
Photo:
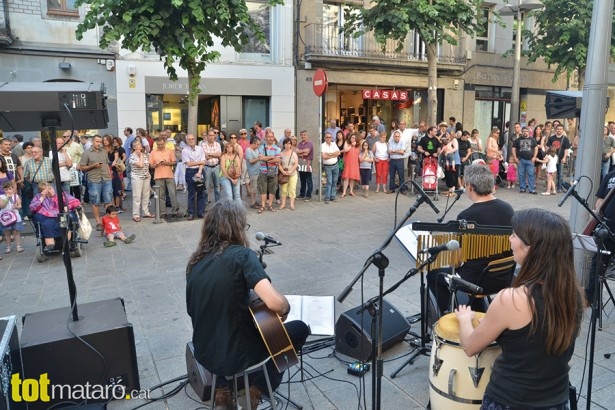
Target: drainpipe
[{"x": 6, "y": 39}]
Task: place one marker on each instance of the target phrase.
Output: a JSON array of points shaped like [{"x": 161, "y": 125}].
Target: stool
[{"x": 254, "y": 368}]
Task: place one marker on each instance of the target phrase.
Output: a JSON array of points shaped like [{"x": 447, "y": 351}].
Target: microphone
[
  {"x": 425, "y": 196},
  {"x": 465, "y": 284},
  {"x": 570, "y": 191},
  {"x": 268, "y": 239},
  {"x": 451, "y": 245},
  {"x": 459, "y": 192}
]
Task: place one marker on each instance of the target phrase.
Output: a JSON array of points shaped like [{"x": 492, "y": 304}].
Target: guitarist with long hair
[{"x": 220, "y": 274}]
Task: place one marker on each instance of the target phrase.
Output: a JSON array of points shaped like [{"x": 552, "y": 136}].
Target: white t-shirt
[{"x": 551, "y": 163}]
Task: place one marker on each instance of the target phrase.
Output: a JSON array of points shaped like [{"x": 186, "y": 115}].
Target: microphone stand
[
  {"x": 601, "y": 232},
  {"x": 381, "y": 262},
  {"x": 449, "y": 208}
]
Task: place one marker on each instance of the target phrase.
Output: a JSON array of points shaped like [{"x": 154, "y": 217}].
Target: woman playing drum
[{"x": 535, "y": 322}]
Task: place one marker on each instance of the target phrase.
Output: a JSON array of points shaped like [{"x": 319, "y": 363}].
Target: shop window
[
  {"x": 62, "y": 8},
  {"x": 255, "y": 109}
]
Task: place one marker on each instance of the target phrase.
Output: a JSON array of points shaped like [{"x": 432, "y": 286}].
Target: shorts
[
  {"x": 117, "y": 235},
  {"x": 100, "y": 190},
  {"x": 254, "y": 183},
  {"x": 267, "y": 184}
]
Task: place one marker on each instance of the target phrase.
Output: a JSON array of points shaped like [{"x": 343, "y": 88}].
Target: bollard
[{"x": 156, "y": 189}]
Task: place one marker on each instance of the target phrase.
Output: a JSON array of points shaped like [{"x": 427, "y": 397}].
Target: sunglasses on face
[{"x": 233, "y": 138}]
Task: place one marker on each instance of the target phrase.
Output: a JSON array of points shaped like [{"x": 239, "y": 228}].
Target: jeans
[
  {"x": 230, "y": 190},
  {"x": 396, "y": 166},
  {"x": 140, "y": 196},
  {"x": 307, "y": 185},
  {"x": 213, "y": 174},
  {"x": 606, "y": 166},
  {"x": 526, "y": 168},
  {"x": 192, "y": 192},
  {"x": 560, "y": 178},
  {"x": 333, "y": 172}
]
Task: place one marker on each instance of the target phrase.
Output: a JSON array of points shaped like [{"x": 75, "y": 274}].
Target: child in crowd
[
  {"x": 511, "y": 172},
  {"x": 112, "y": 228},
  {"x": 11, "y": 202},
  {"x": 551, "y": 161}
]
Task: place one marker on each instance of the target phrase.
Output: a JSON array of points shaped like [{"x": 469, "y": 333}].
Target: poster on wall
[{"x": 215, "y": 114}]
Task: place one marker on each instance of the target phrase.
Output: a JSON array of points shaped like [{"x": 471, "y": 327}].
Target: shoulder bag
[{"x": 283, "y": 178}]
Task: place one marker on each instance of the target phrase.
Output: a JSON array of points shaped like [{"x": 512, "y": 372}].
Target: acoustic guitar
[
  {"x": 274, "y": 334},
  {"x": 592, "y": 223}
]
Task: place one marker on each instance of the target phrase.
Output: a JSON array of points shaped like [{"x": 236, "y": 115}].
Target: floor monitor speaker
[
  {"x": 353, "y": 336},
  {"x": 49, "y": 347}
]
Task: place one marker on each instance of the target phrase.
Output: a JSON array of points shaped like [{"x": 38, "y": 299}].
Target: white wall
[{"x": 131, "y": 104}]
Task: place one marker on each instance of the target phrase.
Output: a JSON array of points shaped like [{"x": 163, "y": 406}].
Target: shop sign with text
[{"x": 385, "y": 95}]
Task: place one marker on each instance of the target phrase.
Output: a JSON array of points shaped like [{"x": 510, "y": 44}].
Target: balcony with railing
[{"x": 325, "y": 43}]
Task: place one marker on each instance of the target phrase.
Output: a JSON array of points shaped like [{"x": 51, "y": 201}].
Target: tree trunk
[
  {"x": 432, "y": 85},
  {"x": 193, "y": 105}
]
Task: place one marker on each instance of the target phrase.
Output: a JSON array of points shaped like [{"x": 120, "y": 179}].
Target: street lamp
[{"x": 508, "y": 10}]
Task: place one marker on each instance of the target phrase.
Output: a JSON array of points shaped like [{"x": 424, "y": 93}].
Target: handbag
[
  {"x": 304, "y": 165},
  {"x": 232, "y": 169},
  {"x": 85, "y": 228},
  {"x": 8, "y": 217},
  {"x": 120, "y": 166},
  {"x": 283, "y": 178}
]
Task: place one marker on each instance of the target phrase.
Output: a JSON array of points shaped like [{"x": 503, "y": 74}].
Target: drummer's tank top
[{"x": 524, "y": 375}]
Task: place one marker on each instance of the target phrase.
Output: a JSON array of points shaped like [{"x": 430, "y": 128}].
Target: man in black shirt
[
  {"x": 485, "y": 210},
  {"x": 524, "y": 152},
  {"x": 562, "y": 144},
  {"x": 429, "y": 145}
]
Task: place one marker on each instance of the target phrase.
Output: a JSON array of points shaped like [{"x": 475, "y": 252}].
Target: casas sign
[{"x": 394, "y": 95}]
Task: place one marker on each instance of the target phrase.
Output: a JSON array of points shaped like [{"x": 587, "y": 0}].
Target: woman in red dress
[{"x": 351, "y": 165}]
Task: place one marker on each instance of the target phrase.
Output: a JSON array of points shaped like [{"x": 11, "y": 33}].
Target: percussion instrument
[
  {"x": 456, "y": 381},
  {"x": 477, "y": 241}
]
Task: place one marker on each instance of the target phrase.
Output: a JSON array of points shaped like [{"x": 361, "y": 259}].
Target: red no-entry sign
[{"x": 319, "y": 82}]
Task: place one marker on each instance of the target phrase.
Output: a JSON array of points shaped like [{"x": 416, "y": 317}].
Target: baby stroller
[
  {"x": 430, "y": 176},
  {"x": 75, "y": 243}
]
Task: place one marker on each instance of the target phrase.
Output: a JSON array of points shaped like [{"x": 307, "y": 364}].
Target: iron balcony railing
[{"x": 327, "y": 40}]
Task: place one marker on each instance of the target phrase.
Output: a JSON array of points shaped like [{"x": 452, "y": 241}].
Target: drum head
[{"x": 448, "y": 326}]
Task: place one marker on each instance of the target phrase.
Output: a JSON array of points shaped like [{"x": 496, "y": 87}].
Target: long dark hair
[
  {"x": 224, "y": 225},
  {"x": 549, "y": 263}
]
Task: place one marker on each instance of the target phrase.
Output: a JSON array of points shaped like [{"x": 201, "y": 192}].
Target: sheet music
[
  {"x": 408, "y": 239},
  {"x": 317, "y": 311},
  {"x": 584, "y": 242}
]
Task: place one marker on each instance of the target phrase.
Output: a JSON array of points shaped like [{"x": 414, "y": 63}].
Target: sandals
[
  {"x": 254, "y": 206},
  {"x": 261, "y": 210},
  {"x": 136, "y": 219},
  {"x": 148, "y": 216},
  {"x": 8, "y": 250},
  {"x": 271, "y": 208},
  {"x": 282, "y": 207},
  {"x": 19, "y": 249}
]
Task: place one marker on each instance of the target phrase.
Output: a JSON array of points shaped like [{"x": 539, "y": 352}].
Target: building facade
[
  {"x": 474, "y": 79},
  {"x": 38, "y": 44},
  {"x": 237, "y": 90}
]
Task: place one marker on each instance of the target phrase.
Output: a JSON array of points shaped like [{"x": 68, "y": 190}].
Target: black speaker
[
  {"x": 351, "y": 341},
  {"x": 10, "y": 362},
  {"x": 47, "y": 346},
  {"x": 199, "y": 377}
]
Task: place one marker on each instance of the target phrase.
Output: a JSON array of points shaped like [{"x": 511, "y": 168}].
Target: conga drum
[{"x": 457, "y": 381}]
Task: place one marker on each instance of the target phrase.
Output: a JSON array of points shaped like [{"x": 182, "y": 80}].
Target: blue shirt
[
  {"x": 396, "y": 146},
  {"x": 127, "y": 145}
]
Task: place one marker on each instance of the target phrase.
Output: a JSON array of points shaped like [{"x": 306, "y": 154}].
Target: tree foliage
[
  {"x": 183, "y": 32},
  {"x": 434, "y": 20},
  {"x": 561, "y": 35}
]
